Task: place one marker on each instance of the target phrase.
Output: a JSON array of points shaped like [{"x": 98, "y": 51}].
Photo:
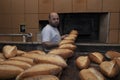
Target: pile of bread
[
  {"x": 95, "y": 66},
  {"x": 36, "y": 64}
]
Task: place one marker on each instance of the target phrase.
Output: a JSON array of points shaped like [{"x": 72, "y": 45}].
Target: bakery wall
[{"x": 13, "y": 13}]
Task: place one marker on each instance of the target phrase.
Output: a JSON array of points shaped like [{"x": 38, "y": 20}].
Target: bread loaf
[
  {"x": 40, "y": 69},
  {"x": 112, "y": 54},
  {"x": 64, "y": 53},
  {"x": 2, "y": 56},
  {"x": 96, "y": 57},
  {"x": 37, "y": 52},
  {"x": 20, "y": 52},
  {"x": 42, "y": 77},
  {"x": 90, "y": 74},
  {"x": 1, "y": 59},
  {"x": 48, "y": 58},
  {"x": 70, "y": 37},
  {"x": 118, "y": 61},
  {"x": 20, "y": 64},
  {"x": 68, "y": 46},
  {"x": 24, "y": 59},
  {"x": 9, "y": 71},
  {"x": 74, "y": 32},
  {"x": 9, "y": 51},
  {"x": 109, "y": 68},
  {"x": 82, "y": 62},
  {"x": 66, "y": 42}
]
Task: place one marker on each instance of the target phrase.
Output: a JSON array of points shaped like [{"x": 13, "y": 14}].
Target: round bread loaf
[
  {"x": 9, "y": 51},
  {"x": 82, "y": 62}
]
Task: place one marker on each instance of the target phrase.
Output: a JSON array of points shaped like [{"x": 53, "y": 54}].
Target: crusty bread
[
  {"x": 42, "y": 77},
  {"x": 40, "y": 69},
  {"x": 66, "y": 42},
  {"x": 20, "y": 52},
  {"x": 9, "y": 51},
  {"x": 68, "y": 46},
  {"x": 1, "y": 59},
  {"x": 118, "y": 61},
  {"x": 82, "y": 62},
  {"x": 48, "y": 58},
  {"x": 70, "y": 37},
  {"x": 74, "y": 32},
  {"x": 37, "y": 52},
  {"x": 20, "y": 64},
  {"x": 9, "y": 71},
  {"x": 90, "y": 74},
  {"x": 64, "y": 53},
  {"x": 109, "y": 68},
  {"x": 24, "y": 59},
  {"x": 112, "y": 54},
  {"x": 96, "y": 57},
  {"x": 2, "y": 56}
]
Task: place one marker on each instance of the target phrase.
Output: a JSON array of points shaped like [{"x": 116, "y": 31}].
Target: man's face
[{"x": 54, "y": 20}]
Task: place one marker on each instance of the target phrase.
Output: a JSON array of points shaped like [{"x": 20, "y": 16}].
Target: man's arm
[{"x": 49, "y": 45}]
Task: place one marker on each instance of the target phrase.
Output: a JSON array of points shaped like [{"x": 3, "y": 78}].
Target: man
[{"x": 50, "y": 34}]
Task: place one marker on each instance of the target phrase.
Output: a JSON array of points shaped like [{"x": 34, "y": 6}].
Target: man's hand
[{"x": 63, "y": 36}]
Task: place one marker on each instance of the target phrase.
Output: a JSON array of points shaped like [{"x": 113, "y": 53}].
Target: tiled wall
[{"x": 16, "y": 12}]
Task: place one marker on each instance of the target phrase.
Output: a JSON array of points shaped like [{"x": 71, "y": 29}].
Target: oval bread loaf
[
  {"x": 66, "y": 42},
  {"x": 9, "y": 71},
  {"x": 48, "y": 58},
  {"x": 68, "y": 46},
  {"x": 40, "y": 69},
  {"x": 64, "y": 53},
  {"x": 24, "y": 59},
  {"x": 20, "y": 64},
  {"x": 112, "y": 54},
  {"x": 37, "y": 52},
  {"x": 42, "y": 77},
  {"x": 96, "y": 57},
  {"x": 90, "y": 74}
]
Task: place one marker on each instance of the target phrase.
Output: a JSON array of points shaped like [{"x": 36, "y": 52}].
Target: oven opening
[{"x": 92, "y": 27}]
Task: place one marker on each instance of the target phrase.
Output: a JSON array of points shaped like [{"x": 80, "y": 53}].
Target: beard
[{"x": 54, "y": 24}]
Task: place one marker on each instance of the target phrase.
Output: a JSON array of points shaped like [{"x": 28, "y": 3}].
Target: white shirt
[{"x": 51, "y": 34}]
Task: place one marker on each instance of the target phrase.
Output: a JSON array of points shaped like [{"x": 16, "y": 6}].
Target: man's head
[{"x": 54, "y": 19}]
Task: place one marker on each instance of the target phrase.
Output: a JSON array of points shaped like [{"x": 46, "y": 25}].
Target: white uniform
[{"x": 51, "y": 34}]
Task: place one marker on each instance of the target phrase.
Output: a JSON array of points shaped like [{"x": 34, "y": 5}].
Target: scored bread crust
[
  {"x": 90, "y": 74},
  {"x": 82, "y": 62},
  {"x": 96, "y": 57},
  {"x": 112, "y": 54},
  {"x": 109, "y": 68},
  {"x": 9, "y": 51}
]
